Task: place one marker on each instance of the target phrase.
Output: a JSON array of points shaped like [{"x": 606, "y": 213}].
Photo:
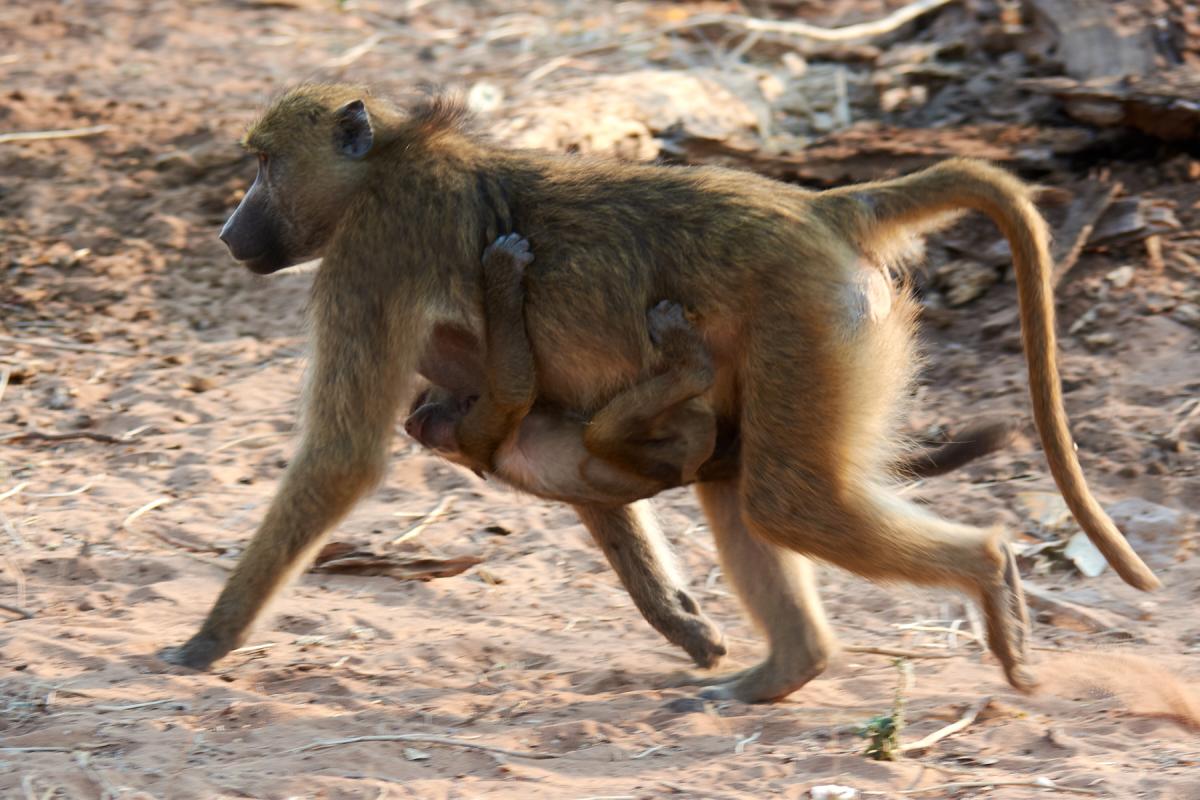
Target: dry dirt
[{"x": 108, "y": 243}]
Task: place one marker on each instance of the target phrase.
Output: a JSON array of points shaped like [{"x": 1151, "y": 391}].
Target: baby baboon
[
  {"x": 656, "y": 435},
  {"x": 791, "y": 291}
]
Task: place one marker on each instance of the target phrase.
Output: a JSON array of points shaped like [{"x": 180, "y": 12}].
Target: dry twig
[
  {"x": 426, "y": 519},
  {"x": 24, "y": 612},
  {"x": 848, "y": 33},
  {"x": 954, "y": 727},
  {"x": 42, "y": 436},
  {"x": 1039, "y": 783},
  {"x": 427, "y": 739},
  {"x": 40, "y": 136},
  {"x": 75, "y": 348}
]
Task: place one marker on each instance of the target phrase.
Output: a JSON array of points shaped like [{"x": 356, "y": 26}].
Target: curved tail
[{"x": 875, "y": 212}]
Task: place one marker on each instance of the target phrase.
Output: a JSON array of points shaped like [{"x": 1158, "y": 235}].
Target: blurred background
[{"x": 148, "y": 392}]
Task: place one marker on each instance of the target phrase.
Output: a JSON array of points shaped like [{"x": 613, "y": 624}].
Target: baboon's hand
[
  {"x": 509, "y": 254},
  {"x": 664, "y": 320}
]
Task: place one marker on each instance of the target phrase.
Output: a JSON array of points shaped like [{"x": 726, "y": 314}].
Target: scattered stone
[
  {"x": 1121, "y": 277},
  {"x": 1156, "y": 532},
  {"x": 963, "y": 281},
  {"x": 1084, "y": 555},
  {"x": 687, "y": 705},
  {"x": 1187, "y": 314},
  {"x": 200, "y": 384},
  {"x": 1098, "y": 340},
  {"x": 833, "y": 791}
]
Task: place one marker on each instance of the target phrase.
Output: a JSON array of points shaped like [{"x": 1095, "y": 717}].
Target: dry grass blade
[
  {"x": 41, "y": 136},
  {"x": 427, "y": 739},
  {"x": 14, "y": 491},
  {"x": 184, "y": 549},
  {"x": 962, "y": 722},
  {"x": 1040, "y": 783},
  {"x": 427, "y": 519}
]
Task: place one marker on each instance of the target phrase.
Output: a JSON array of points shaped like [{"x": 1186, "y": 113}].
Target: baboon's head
[{"x": 313, "y": 145}]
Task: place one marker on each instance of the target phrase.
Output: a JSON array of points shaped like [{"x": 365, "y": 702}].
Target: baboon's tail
[{"x": 876, "y": 211}]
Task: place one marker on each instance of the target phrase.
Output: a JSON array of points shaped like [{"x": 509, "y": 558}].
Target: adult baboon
[{"x": 810, "y": 339}]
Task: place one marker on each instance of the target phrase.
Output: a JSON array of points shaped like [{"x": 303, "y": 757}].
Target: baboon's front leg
[
  {"x": 641, "y": 557},
  {"x": 362, "y": 365}
]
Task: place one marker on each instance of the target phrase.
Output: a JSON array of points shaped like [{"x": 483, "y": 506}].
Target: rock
[
  {"x": 1157, "y": 533},
  {"x": 687, "y": 705},
  {"x": 963, "y": 281},
  {"x": 200, "y": 384},
  {"x": 1187, "y": 314},
  {"x": 1047, "y": 509},
  {"x": 1084, "y": 555},
  {"x": 1098, "y": 340},
  {"x": 1121, "y": 277}
]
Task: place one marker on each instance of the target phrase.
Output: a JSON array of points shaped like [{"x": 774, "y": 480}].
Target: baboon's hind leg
[
  {"x": 777, "y": 588},
  {"x": 817, "y": 486}
]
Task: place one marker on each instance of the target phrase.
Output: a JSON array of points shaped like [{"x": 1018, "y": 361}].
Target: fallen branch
[
  {"x": 954, "y": 727},
  {"x": 427, "y": 739},
  {"x": 41, "y": 136},
  {"x": 863, "y": 30}
]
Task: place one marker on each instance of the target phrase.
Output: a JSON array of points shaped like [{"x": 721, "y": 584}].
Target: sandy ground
[{"x": 108, "y": 243}]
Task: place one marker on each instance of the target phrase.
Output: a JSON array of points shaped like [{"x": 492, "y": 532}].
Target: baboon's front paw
[
  {"x": 665, "y": 318},
  {"x": 198, "y": 653},
  {"x": 700, "y": 638},
  {"x": 513, "y": 248}
]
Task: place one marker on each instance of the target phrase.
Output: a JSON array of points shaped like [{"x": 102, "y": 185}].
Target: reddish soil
[{"x": 108, "y": 243}]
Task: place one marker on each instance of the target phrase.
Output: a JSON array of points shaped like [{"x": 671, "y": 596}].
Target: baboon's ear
[{"x": 352, "y": 134}]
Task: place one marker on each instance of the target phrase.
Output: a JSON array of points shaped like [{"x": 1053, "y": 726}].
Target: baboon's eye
[{"x": 263, "y": 158}]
